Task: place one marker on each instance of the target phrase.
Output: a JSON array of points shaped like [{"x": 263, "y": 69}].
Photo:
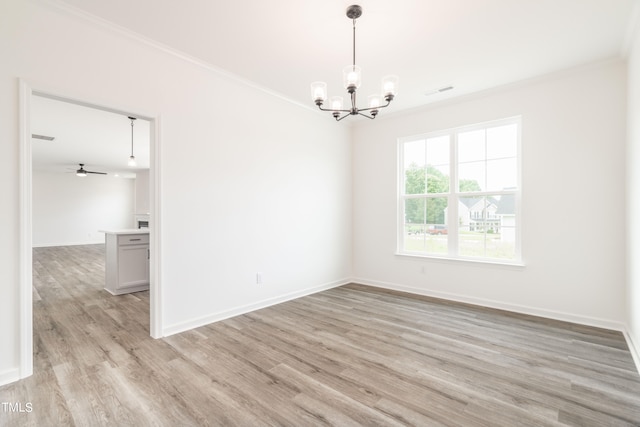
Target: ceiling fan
[{"x": 83, "y": 172}]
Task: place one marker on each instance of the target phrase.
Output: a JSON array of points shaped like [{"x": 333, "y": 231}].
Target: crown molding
[
  {"x": 495, "y": 90},
  {"x": 77, "y": 13}
]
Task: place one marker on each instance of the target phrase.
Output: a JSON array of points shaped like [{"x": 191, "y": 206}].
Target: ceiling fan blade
[{"x": 83, "y": 172}]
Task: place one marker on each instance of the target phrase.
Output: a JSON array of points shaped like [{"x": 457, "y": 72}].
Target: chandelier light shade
[
  {"x": 352, "y": 78},
  {"x": 319, "y": 91},
  {"x": 132, "y": 158},
  {"x": 374, "y": 101},
  {"x": 336, "y": 103},
  {"x": 389, "y": 85}
]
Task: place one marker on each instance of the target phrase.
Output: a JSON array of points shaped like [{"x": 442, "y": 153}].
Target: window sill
[{"x": 447, "y": 259}]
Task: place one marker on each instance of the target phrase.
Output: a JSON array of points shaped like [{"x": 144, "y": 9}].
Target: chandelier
[{"x": 352, "y": 79}]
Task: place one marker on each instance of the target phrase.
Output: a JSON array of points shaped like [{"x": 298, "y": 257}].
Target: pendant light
[{"x": 132, "y": 158}]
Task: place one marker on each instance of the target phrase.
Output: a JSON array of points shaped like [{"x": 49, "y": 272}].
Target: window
[{"x": 459, "y": 193}]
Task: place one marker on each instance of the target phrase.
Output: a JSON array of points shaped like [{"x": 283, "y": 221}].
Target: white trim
[
  {"x": 10, "y": 376},
  {"x": 633, "y": 26},
  {"x": 216, "y": 317},
  {"x": 53, "y": 245},
  {"x": 476, "y": 261},
  {"x": 155, "y": 273},
  {"x": 475, "y": 94},
  {"x": 515, "y": 308},
  {"x": 51, "y": 94},
  {"x": 633, "y": 348},
  {"x": 453, "y": 195},
  {"x": 60, "y": 6},
  {"x": 25, "y": 261}
]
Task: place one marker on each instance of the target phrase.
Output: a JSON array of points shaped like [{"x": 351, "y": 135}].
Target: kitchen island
[{"x": 127, "y": 260}]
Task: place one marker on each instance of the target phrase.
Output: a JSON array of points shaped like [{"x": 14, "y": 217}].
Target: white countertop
[{"x": 126, "y": 231}]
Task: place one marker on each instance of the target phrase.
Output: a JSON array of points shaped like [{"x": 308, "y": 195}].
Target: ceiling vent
[
  {"x": 44, "y": 137},
  {"x": 435, "y": 91}
]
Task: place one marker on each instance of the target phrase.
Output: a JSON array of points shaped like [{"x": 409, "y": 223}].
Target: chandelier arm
[
  {"x": 375, "y": 108},
  {"x": 330, "y": 109},
  {"x": 366, "y": 115},
  {"x": 340, "y": 118}
]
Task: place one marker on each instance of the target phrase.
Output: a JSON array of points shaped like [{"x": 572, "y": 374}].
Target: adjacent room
[
  {"x": 70, "y": 207},
  {"x": 418, "y": 213}
]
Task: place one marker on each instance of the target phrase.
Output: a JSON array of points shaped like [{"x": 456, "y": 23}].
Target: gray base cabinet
[{"x": 127, "y": 262}]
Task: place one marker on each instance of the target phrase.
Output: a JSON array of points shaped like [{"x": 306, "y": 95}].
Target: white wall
[
  {"x": 68, "y": 210},
  {"x": 142, "y": 205},
  {"x": 249, "y": 182},
  {"x": 573, "y": 236},
  {"x": 633, "y": 195}
]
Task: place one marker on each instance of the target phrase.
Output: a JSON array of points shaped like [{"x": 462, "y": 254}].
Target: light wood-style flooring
[{"x": 350, "y": 356}]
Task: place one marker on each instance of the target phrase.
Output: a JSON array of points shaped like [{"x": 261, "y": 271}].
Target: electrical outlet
[{"x": 259, "y": 278}]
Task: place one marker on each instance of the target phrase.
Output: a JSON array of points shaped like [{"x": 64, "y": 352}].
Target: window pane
[
  {"x": 471, "y": 176},
  {"x": 415, "y": 180},
  {"x": 470, "y": 242},
  {"x": 502, "y": 244},
  {"x": 414, "y": 225},
  {"x": 425, "y": 229},
  {"x": 471, "y": 146},
  {"x": 414, "y": 154},
  {"x": 437, "y": 213},
  {"x": 438, "y": 150},
  {"x": 414, "y": 238},
  {"x": 502, "y": 141},
  {"x": 502, "y": 174},
  {"x": 438, "y": 179},
  {"x": 436, "y": 237},
  {"x": 487, "y": 226},
  {"x": 472, "y": 212},
  {"x": 506, "y": 212},
  {"x": 415, "y": 211}
]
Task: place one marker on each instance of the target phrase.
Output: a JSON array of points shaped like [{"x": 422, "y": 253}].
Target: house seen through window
[{"x": 460, "y": 191}]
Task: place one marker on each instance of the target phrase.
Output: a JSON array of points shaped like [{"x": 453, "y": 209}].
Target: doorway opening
[{"x": 71, "y": 209}]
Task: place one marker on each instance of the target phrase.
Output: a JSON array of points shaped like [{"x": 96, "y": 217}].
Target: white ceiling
[
  {"x": 284, "y": 45},
  {"x": 99, "y": 139}
]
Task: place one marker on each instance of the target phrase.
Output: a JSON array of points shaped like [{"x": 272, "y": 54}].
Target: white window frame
[{"x": 454, "y": 195}]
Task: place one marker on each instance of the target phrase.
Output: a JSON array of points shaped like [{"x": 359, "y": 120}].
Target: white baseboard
[
  {"x": 516, "y": 308},
  {"x": 52, "y": 245},
  {"x": 633, "y": 348},
  {"x": 216, "y": 317},
  {"x": 9, "y": 376}
]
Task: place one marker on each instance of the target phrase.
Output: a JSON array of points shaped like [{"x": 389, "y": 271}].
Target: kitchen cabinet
[{"x": 127, "y": 261}]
